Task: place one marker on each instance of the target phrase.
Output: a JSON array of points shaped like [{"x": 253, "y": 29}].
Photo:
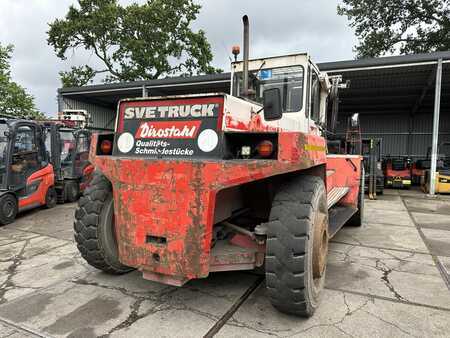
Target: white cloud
[{"x": 277, "y": 27}]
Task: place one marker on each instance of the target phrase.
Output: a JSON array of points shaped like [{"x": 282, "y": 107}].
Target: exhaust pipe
[{"x": 246, "y": 54}]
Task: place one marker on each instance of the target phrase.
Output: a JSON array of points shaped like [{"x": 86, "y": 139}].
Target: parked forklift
[
  {"x": 188, "y": 185},
  {"x": 69, "y": 154},
  {"x": 374, "y": 179},
  {"x": 397, "y": 172},
  {"x": 26, "y": 174},
  {"x": 442, "y": 185}
]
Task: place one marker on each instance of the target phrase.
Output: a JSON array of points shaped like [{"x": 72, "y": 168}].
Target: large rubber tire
[
  {"x": 71, "y": 191},
  {"x": 8, "y": 209},
  {"x": 292, "y": 284},
  {"x": 94, "y": 227},
  {"x": 51, "y": 198}
]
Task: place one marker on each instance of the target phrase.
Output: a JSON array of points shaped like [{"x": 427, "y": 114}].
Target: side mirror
[{"x": 272, "y": 104}]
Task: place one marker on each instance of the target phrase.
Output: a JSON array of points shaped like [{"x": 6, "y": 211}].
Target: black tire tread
[
  {"x": 87, "y": 218},
  {"x": 3, "y": 219},
  {"x": 287, "y": 239}
]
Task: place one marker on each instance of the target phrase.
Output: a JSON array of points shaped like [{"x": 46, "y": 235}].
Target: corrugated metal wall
[
  {"x": 393, "y": 130},
  {"x": 101, "y": 117}
]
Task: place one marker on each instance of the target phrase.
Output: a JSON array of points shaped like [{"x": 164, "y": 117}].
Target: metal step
[
  {"x": 338, "y": 216},
  {"x": 336, "y": 194}
]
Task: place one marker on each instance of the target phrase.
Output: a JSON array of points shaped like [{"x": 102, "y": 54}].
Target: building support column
[
  {"x": 434, "y": 144},
  {"x": 144, "y": 91}
]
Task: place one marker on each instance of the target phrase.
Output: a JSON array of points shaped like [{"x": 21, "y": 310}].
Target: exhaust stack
[{"x": 246, "y": 54}]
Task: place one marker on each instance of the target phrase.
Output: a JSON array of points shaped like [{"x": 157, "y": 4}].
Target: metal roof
[
  {"x": 389, "y": 61},
  {"x": 167, "y": 82},
  {"x": 224, "y": 78},
  {"x": 395, "y": 84}
]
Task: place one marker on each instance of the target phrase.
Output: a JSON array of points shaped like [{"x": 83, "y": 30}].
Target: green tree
[
  {"x": 398, "y": 26},
  {"x": 135, "y": 42},
  {"x": 14, "y": 100}
]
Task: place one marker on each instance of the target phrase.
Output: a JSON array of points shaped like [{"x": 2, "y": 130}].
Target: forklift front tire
[
  {"x": 94, "y": 227},
  {"x": 72, "y": 191},
  {"x": 297, "y": 246},
  {"x": 8, "y": 209},
  {"x": 51, "y": 198}
]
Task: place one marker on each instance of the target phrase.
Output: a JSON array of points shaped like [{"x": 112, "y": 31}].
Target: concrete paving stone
[
  {"x": 340, "y": 314},
  {"x": 445, "y": 264},
  {"x": 36, "y": 263},
  {"x": 7, "y": 331},
  {"x": 438, "y": 241},
  {"x": 390, "y": 192},
  {"x": 42, "y": 221},
  {"x": 385, "y": 273},
  {"x": 384, "y": 236},
  {"x": 437, "y": 206},
  {"x": 127, "y": 305},
  {"x": 432, "y": 220},
  {"x": 394, "y": 204},
  {"x": 386, "y": 216},
  {"x": 10, "y": 235}
]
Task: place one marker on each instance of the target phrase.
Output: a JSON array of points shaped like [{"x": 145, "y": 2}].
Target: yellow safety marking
[{"x": 313, "y": 147}]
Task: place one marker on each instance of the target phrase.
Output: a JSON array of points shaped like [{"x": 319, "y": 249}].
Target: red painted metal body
[
  {"x": 345, "y": 172},
  {"x": 37, "y": 198},
  {"x": 88, "y": 173},
  {"x": 175, "y": 199}
]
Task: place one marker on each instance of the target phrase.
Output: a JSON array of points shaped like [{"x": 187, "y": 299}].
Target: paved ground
[{"x": 386, "y": 279}]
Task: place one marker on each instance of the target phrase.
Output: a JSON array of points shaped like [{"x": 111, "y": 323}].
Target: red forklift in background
[
  {"x": 26, "y": 174},
  {"x": 397, "y": 173},
  {"x": 69, "y": 155}
]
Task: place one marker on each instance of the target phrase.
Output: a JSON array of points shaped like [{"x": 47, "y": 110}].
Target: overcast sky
[{"x": 277, "y": 27}]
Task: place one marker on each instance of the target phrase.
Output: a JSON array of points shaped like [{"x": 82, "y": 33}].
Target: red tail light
[
  {"x": 265, "y": 149},
  {"x": 106, "y": 147}
]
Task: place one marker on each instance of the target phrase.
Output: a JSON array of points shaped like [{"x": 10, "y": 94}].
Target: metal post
[
  {"x": 144, "y": 91},
  {"x": 437, "y": 110},
  {"x": 246, "y": 54}
]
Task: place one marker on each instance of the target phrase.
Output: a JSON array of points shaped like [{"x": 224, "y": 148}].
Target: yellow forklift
[{"x": 442, "y": 171}]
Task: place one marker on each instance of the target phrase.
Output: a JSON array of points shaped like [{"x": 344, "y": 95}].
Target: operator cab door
[
  {"x": 27, "y": 157},
  {"x": 314, "y": 104},
  {"x": 81, "y": 158},
  {"x": 53, "y": 148}
]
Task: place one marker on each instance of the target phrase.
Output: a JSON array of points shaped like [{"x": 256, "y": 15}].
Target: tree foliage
[
  {"x": 398, "y": 26},
  {"x": 135, "y": 42},
  {"x": 14, "y": 100}
]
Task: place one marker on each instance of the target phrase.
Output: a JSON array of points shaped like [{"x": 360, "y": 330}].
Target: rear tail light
[
  {"x": 265, "y": 149},
  {"x": 106, "y": 147}
]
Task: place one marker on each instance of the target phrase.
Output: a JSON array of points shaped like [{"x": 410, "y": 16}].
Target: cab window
[
  {"x": 288, "y": 79},
  {"x": 26, "y": 158}
]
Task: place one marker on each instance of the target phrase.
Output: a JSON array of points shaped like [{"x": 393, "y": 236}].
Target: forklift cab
[
  {"x": 26, "y": 175},
  {"x": 69, "y": 149}
]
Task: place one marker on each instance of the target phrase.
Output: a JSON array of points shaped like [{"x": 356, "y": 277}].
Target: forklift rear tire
[
  {"x": 72, "y": 191},
  {"x": 8, "y": 209},
  {"x": 297, "y": 246},
  {"x": 51, "y": 198},
  {"x": 94, "y": 227}
]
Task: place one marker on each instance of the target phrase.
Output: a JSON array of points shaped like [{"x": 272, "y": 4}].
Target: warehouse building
[{"x": 402, "y": 100}]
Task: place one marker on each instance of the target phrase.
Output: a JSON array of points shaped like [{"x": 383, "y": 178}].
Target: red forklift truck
[
  {"x": 397, "y": 173},
  {"x": 69, "y": 154},
  {"x": 194, "y": 184},
  {"x": 26, "y": 174}
]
